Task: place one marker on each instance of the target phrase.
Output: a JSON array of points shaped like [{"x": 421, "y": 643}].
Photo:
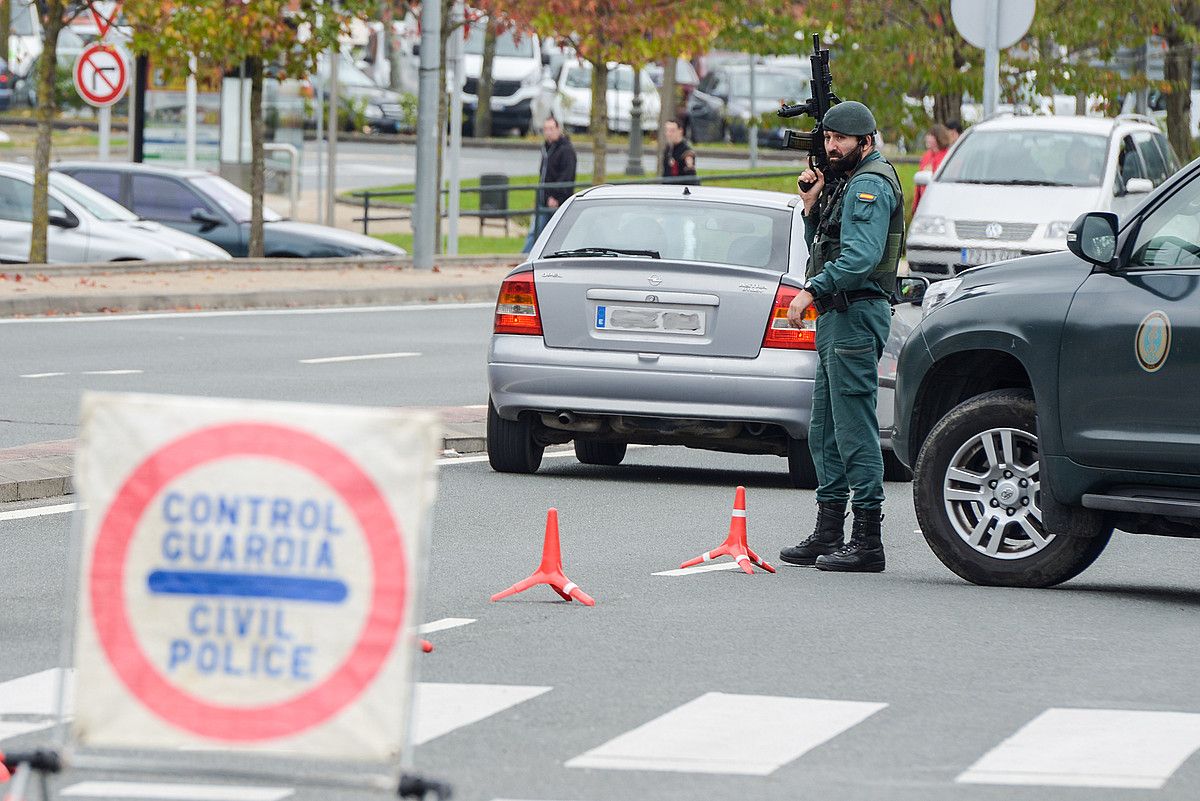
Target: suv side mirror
[
  {"x": 206, "y": 218},
  {"x": 61, "y": 218},
  {"x": 910, "y": 289},
  {"x": 1139, "y": 186},
  {"x": 923, "y": 178},
  {"x": 1093, "y": 237}
]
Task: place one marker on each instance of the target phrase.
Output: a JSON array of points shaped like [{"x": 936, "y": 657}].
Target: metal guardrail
[{"x": 368, "y": 195}]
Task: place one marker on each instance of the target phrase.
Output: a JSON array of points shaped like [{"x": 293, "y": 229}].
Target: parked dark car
[
  {"x": 212, "y": 208},
  {"x": 721, "y": 107},
  {"x": 1048, "y": 401}
]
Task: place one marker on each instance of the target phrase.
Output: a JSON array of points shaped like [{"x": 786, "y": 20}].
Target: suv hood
[{"x": 1006, "y": 203}]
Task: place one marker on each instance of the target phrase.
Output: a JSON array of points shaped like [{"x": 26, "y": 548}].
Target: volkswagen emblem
[
  {"x": 655, "y": 280},
  {"x": 993, "y": 230}
]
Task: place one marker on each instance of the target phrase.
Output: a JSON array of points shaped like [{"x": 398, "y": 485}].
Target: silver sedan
[
  {"x": 658, "y": 315},
  {"x": 85, "y": 226}
]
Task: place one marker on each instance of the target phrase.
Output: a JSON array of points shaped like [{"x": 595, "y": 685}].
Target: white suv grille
[{"x": 999, "y": 232}]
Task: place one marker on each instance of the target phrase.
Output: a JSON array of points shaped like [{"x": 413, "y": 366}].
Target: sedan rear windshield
[
  {"x": 683, "y": 230},
  {"x": 1031, "y": 158}
]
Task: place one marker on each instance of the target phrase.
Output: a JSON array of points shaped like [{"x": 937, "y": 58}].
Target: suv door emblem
[
  {"x": 1153, "y": 340},
  {"x": 655, "y": 280}
]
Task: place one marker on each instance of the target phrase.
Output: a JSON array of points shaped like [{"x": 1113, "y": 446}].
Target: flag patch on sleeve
[{"x": 867, "y": 196}]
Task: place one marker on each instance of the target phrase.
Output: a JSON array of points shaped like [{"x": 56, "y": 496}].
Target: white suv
[{"x": 1012, "y": 185}]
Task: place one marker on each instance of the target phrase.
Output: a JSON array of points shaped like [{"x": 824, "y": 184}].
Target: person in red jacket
[{"x": 937, "y": 142}]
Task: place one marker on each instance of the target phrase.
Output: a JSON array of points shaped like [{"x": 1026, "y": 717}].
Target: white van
[{"x": 516, "y": 77}]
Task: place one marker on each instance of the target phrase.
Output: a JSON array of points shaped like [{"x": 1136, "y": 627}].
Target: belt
[{"x": 840, "y": 301}]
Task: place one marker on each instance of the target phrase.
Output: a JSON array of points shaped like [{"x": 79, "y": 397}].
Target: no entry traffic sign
[
  {"x": 248, "y": 574},
  {"x": 101, "y": 76}
]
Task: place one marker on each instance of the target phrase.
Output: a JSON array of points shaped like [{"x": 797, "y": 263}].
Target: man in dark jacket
[
  {"x": 678, "y": 158},
  {"x": 558, "y": 166}
]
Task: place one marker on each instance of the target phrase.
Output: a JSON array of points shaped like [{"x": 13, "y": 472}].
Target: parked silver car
[
  {"x": 658, "y": 315},
  {"x": 85, "y": 226},
  {"x": 1012, "y": 186}
]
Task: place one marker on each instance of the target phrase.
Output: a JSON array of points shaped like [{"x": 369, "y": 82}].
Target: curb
[
  {"x": 45, "y": 477},
  {"x": 262, "y": 265},
  {"x": 253, "y": 299}
]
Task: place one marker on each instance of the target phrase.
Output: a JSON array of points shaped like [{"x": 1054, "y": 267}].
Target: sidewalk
[{"x": 46, "y": 469}]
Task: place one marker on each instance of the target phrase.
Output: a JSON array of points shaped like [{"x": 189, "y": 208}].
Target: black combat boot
[
  {"x": 827, "y": 536},
  {"x": 864, "y": 552}
]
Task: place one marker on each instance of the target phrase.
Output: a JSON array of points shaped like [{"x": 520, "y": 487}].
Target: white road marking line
[
  {"x": 177, "y": 792},
  {"x": 441, "y": 708},
  {"x": 9, "y": 729},
  {"x": 363, "y": 358},
  {"x": 36, "y": 693},
  {"x": 752, "y": 735},
  {"x": 445, "y": 623},
  {"x": 1091, "y": 748},
  {"x": 41, "y": 375},
  {"x": 111, "y": 372},
  {"x": 38, "y": 511},
  {"x": 688, "y": 571},
  {"x": 247, "y": 313}
]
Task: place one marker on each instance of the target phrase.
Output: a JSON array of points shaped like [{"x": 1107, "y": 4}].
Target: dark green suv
[{"x": 1047, "y": 401}]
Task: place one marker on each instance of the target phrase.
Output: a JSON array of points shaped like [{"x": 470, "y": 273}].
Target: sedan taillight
[
  {"x": 780, "y": 333},
  {"x": 517, "y": 307}
]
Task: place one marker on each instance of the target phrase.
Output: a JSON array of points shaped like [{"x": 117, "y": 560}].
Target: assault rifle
[{"x": 813, "y": 142}]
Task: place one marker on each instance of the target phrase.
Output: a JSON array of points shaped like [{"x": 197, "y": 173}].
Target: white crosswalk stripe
[
  {"x": 441, "y": 708},
  {"x": 1118, "y": 748},
  {"x": 725, "y": 733},
  {"x": 176, "y": 792}
]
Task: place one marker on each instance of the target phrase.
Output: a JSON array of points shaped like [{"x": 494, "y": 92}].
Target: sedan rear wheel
[
  {"x": 511, "y": 446},
  {"x": 603, "y": 453},
  {"x": 977, "y": 491}
]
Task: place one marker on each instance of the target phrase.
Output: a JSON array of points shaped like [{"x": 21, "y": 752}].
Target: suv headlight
[
  {"x": 1058, "y": 230},
  {"x": 938, "y": 293},
  {"x": 927, "y": 225},
  {"x": 186, "y": 255}
]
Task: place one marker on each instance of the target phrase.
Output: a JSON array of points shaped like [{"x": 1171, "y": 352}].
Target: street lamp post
[{"x": 634, "y": 167}]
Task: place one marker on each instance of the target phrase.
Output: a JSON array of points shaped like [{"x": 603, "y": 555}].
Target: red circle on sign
[
  {"x": 347, "y": 681},
  {"x": 105, "y": 90}
]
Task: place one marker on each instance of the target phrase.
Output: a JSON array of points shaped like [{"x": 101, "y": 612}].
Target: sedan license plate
[
  {"x": 974, "y": 256},
  {"x": 650, "y": 320}
]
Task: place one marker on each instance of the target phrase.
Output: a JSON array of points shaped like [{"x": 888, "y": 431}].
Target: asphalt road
[
  {"x": 715, "y": 685},
  {"x": 366, "y": 164},
  {"x": 46, "y": 363}
]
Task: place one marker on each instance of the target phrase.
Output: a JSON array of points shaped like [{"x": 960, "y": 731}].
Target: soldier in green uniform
[{"x": 854, "y": 225}]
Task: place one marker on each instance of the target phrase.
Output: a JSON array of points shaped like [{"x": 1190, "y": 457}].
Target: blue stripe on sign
[{"x": 247, "y": 585}]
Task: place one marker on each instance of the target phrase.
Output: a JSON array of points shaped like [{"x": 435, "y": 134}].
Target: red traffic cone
[
  {"x": 427, "y": 646},
  {"x": 735, "y": 544},
  {"x": 550, "y": 570}
]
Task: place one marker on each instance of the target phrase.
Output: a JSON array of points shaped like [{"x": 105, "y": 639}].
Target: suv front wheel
[{"x": 977, "y": 491}]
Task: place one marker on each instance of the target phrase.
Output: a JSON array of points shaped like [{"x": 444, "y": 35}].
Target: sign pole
[
  {"x": 991, "y": 56},
  {"x": 452, "y": 174},
  {"x": 105, "y": 131},
  {"x": 190, "y": 112}
]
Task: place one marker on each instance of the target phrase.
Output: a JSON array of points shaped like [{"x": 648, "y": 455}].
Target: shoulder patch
[{"x": 867, "y": 196}]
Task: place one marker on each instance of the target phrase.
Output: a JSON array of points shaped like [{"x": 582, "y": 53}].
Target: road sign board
[
  {"x": 101, "y": 76},
  {"x": 104, "y": 20},
  {"x": 248, "y": 574},
  {"x": 1013, "y": 18}
]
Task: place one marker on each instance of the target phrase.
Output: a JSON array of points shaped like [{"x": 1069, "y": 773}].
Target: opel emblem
[
  {"x": 993, "y": 230},
  {"x": 655, "y": 280}
]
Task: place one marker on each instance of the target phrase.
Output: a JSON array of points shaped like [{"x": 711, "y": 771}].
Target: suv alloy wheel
[{"x": 977, "y": 492}]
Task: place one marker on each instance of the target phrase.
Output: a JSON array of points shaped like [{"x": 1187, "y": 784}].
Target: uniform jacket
[{"x": 866, "y": 215}]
